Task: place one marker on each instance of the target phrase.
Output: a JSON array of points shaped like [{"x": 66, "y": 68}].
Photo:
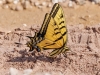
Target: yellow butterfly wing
[
  {"x": 58, "y": 15},
  {"x": 59, "y": 20},
  {"x": 56, "y": 32},
  {"x": 53, "y": 37}
]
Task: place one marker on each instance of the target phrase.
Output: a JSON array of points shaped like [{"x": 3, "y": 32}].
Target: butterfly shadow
[{"x": 32, "y": 57}]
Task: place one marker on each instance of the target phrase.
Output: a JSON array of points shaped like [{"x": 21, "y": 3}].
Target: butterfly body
[{"x": 53, "y": 33}]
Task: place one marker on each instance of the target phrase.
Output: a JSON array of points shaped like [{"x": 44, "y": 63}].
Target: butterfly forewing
[
  {"x": 57, "y": 14},
  {"x": 50, "y": 37}
]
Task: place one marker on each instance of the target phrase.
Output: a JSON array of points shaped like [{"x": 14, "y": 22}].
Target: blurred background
[
  {"x": 19, "y": 13},
  {"x": 21, "y": 18}
]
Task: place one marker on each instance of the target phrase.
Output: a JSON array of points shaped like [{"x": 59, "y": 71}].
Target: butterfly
[{"x": 52, "y": 34}]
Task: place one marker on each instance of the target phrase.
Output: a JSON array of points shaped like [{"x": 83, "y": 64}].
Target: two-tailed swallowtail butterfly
[{"x": 53, "y": 33}]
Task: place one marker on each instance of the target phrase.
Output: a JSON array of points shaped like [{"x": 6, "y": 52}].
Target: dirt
[{"x": 83, "y": 40}]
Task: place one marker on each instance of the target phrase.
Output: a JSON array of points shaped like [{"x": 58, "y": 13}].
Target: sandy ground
[{"x": 83, "y": 40}]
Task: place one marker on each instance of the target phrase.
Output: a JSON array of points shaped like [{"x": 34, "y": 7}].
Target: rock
[
  {"x": 22, "y": 1},
  {"x": 80, "y": 2},
  {"x": 15, "y": 1},
  {"x": 5, "y": 6},
  {"x": 32, "y": 2},
  {"x": 4, "y": 1},
  {"x": 9, "y": 1},
  {"x": 70, "y": 4},
  {"x": 40, "y": 7},
  {"x": 55, "y": 1},
  {"x": 49, "y": 5},
  {"x": 1, "y": 3},
  {"x": 96, "y": 1},
  {"x": 12, "y": 6},
  {"x": 81, "y": 26},
  {"x": 24, "y": 25},
  {"x": 27, "y": 5},
  {"x": 43, "y": 3},
  {"x": 19, "y": 7},
  {"x": 37, "y": 4},
  {"x": 61, "y": 0}
]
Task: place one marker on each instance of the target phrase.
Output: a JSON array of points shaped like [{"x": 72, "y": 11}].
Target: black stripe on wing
[
  {"x": 56, "y": 52},
  {"x": 61, "y": 16},
  {"x": 61, "y": 22},
  {"x": 49, "y": 45},
  {"x": 62, "y": 27},
  {"x": 44, "y": 27},
  {"x": 54, "y": 10},
  {"x": 61, "y": 37}
]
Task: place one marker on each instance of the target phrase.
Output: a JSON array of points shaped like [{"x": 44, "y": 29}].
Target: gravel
[{"x": 19, "y": 5}]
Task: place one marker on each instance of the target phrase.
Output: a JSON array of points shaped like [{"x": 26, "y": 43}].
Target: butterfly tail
[{"x": 56, "y": 52}]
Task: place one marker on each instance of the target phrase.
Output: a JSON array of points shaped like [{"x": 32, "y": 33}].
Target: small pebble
[
  {"x": 70, "y": 4},
  {"x": 93, "y": 3},
  {"x": 9, "y": 31},
  {"x": 4, "y": 1},
  {"x": 55, "y": 1},
  {"x": 25, "y": 25},
  {"x": 22, "y": 2},
  {"x": 9, "y": 1},
  {"x": 81, "y": 26},
  {"x": 32, "y": 2},
  {"x": 80, "y": 2},
  {"x": 40, "y": 7},
  {"x": 27, "y": 5},
  {"x": 96, "y": 1},
  {"x": 19, "y": 7},
  {"x": 12, "y": 6},
  {"x": 15, "y": 1},
  {"x": 43, "y": 4},
  {"x": 5, "y": 6},
  {"x": 49, "y": 5},
  {"x": 61, "y": 0},
  {"x": 36, "y": 4},
  {"x": 1, "y": 2}
]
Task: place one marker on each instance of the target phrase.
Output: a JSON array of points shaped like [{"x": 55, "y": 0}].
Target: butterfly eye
[{"x": 38, "y": 49}]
